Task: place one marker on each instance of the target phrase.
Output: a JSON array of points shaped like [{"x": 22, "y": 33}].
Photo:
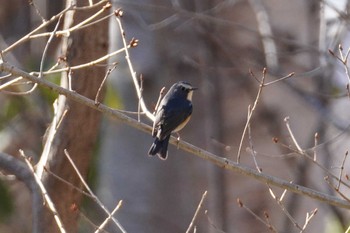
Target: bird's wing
[
  {"x": 172, "y": 117},
  {"x": 157, "y": 120}
]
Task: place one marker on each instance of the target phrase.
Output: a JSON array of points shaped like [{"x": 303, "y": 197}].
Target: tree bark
[{"x": 78, "y": 130}]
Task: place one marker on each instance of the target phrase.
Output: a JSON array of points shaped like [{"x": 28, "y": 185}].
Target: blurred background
[{"x": 213, "y": 45}]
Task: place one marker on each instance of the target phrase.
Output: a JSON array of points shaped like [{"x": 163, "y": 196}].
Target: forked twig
[
  {"x": 262, "y": 84},
  {"x": 308, "y": 218}
]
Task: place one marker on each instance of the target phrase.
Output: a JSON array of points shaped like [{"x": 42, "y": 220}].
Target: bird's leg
[{"x": 178, "y": 139}]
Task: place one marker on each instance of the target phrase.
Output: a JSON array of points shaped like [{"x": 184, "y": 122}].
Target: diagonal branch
[{"x": 217, "y": 160}]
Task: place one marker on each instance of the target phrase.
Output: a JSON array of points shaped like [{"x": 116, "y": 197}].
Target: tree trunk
[{"x": 79, "y": 128}]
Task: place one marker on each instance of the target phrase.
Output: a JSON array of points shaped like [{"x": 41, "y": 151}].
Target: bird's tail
[{"x": 160, "y": 148}]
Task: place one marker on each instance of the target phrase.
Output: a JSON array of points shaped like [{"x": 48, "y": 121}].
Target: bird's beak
[{"x": 194, "y": 88}]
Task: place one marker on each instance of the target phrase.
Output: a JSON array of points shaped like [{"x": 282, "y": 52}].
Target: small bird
[{"x": 172, "y": 114}]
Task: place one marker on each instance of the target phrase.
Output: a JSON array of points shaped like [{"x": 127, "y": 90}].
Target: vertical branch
[
  {"x": 133, "y": 43},
  {"x": 250, "y": 113}
]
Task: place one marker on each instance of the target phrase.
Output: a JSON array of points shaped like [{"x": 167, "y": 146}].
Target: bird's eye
[{"x": 183, "y": 88}]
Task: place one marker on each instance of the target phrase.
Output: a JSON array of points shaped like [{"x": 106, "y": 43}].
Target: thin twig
[
  {"x": 9, "y": 83},
  {"x": 41, "y": 26},
  {"x": 95, "y": 198},
  {"x": 315, "y": 146},
  {"x": 81, "y": 66},
  {"x": 109, "y": 217},
  {"x": 212, "y": 224},
  {"x": 97, "y": 4},
  {"x": 342, "y": 170},
  {"x": 302, "y": 152},
  {"x": 323, "y": 168},
  {"x": 344, "y": 60},
  {"x": 32, "y": 3},
  {"x": 286, "y": 120},
  {"x": 250, "y": 139},
  {"x": 215, "y": 159},
  {"x": 118, "y": 13},
  {"x": 277, "y": 199},
  {"x": 52, "y": 34},
  {"x": 283, "y": 208},
  {"x": 280, "y": 79},
  {"x": 139, "y": 101},
  {"x": 109, "y": 71},
  {"x": 267, "y": 224},
  {"x": 197, "y": 211},
  {"x": 88, "y": 20},
  {"x": 67, "y": 183},
  {"x": 48, "y": 200},
  {"x": 336, "y": 190},
  {"x": 57, "y": 118},
  {"x": 262, "y": 83},
  {"x": 308, "y": 219}
]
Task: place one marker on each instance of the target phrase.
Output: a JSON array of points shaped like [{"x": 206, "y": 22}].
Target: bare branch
[
  {"x": 118, "y": 13},
  {"x": 109, "y": 217},
  {"x": 197, "y": 211},
  {"x": 261, "y": 86},
  {"x": 341, "y": 170},
  {"x": 217, "y": 160},
  {"x": 48, "y": 200},
  {"x": 267, "y": 224},
  {"x": 94, "y": 197},
  {"x": 109, "y": 71}
]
